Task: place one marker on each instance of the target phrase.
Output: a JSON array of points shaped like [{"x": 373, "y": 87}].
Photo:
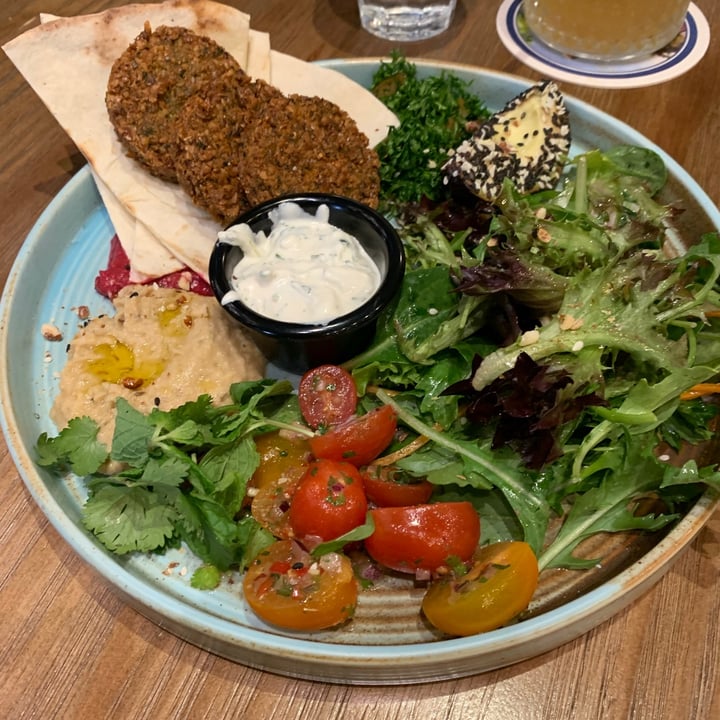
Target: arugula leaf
[
  {"x": 690, "y": 423},
  {"x": 337, "y": 544},
  {"x": 257, "y": 538},
  {"x": 501, "y": 471},
  {"x": 610, "y": 506},
  {"x": 426, "y": 341},
  {"x": 644, "y": 407},
  {"x": 499, "y": 521},
  {"x": 691, "y": 474}
]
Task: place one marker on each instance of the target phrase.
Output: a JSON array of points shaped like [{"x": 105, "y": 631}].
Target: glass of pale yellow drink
[{"x": 608, "y": 30}]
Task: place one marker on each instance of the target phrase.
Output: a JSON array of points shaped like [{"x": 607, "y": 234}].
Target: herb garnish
[
  {"x": 183, "y": 476},
  {"x": 433, "y": 112}
]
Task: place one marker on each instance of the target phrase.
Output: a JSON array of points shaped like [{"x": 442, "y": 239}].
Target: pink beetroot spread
[{"x": 116, "y": 276}]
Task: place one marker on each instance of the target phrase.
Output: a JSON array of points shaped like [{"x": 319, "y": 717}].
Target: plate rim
[{"x": 343, "y": 663}]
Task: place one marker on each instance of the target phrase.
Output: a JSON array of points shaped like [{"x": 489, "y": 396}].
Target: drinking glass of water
[
  {"x": 610, "y": 30},
  {"x": 406, "y": 20}
]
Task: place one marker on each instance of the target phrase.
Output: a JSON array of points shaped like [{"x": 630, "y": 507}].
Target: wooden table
[{"x": 70, "y": 647}]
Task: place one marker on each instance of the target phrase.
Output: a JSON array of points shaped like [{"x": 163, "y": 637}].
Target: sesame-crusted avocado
[{"x": 527, "y": 142}]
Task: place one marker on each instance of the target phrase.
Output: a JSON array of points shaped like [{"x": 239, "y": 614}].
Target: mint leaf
[
  {"x": 189, "y": 433},
  {"x": 260, "y": 399},
  {"x": 210, "y": 531},
  {"x": 133, "y": 434},
  {"x": 229, "y": 468},
  {"x": 192, "y": 424}
]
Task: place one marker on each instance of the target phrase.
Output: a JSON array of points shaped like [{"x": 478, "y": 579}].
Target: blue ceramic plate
[{"x": 387, "y": 643}]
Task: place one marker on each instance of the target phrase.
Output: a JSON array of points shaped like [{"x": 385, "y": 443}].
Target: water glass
[
  {"x": 606, "y": 30},
  {"x": 406, "y": 20}
]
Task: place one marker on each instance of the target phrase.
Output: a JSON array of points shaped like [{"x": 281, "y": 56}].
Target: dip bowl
[{"x": 294, "y": 346}]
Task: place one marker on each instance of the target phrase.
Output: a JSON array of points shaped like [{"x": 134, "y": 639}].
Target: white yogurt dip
[{"x": 304, "y": 271}]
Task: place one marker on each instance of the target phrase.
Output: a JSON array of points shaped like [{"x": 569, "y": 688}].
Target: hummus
[{"x": 162, "y": 348}]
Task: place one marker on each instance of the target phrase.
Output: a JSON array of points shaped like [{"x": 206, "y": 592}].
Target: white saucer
[{"x": 683, "y": 53}]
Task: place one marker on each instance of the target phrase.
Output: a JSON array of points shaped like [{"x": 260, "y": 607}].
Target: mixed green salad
[{"x": 549, "y": 357}]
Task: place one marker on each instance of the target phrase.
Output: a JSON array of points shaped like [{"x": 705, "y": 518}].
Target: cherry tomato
[
  {"x": 283, "y": 462},
  {"x": 499, "y": 585},
  {"x": 327, "y": 396},
  {"x": 328, "y": 502},
  {"x": 423, "y": 537},
  {"x": 382, "y": 487},
  {"x": 271, "y": 506},
  {"x": 287, "y": 587},
  {"x": 281, "y": 456},
  {"x": 358, "y": 440}
]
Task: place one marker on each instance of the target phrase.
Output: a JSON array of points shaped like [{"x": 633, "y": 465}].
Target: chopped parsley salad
[{"x": 544, "y": 365}]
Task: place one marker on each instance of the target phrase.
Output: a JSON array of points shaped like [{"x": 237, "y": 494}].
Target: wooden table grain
[{"x": 71, "y": 648}]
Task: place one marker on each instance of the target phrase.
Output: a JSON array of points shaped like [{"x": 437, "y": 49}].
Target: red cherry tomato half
[
  {"x": 358, "y": 440},
  {"x": 423, "y": 537},
  {"x": 327, "y": 395},
  {"x": 328, "y": 502},
  {"x": 382, "y": 487},
  {"x": 498, "y": 586},
  {"x": 285, "y": 586}
]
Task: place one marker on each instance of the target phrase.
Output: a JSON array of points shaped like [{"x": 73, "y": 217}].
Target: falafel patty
[
  {"x": 150, "y": 83},
  {"x": 210, "y": 144},
  {"x": 303, "y": 144}
]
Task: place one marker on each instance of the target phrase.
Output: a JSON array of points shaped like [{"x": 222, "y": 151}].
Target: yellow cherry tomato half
[
  {"x": 287, "y": 587},
  {"x": 281, "y": 457},
  {"x": 498, "y": 586},
  {"x": 283, "y": 462}
]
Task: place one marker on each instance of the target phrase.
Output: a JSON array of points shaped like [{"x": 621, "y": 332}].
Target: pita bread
[
  {"x": 258, "y": 61},
  {"x": 149, "y": 258},
  {"x": 67, "y": 62}
]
